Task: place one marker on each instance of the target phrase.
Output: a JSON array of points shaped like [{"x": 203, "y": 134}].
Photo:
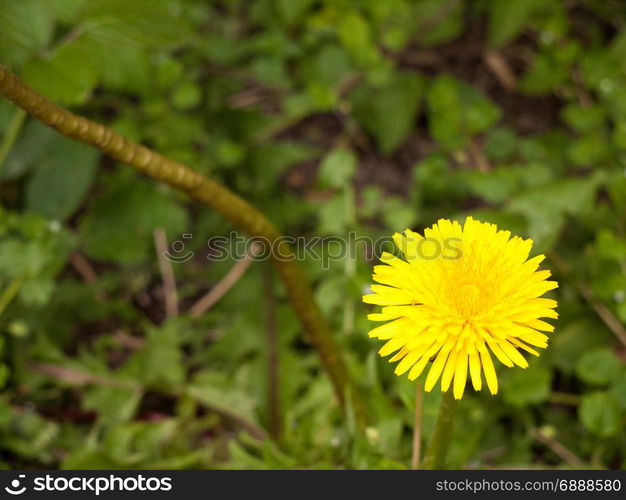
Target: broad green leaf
[
  {"x": 438, "y": 22},
  {"x": 500, "y": 144},
  {"x": 118, "y": 23},
  {"x": 573, "y": 341},
  {"x": 160, "y": 362},
  {"x": 112, "y": 403},
  {"x": 600, "y": 415},
  {"x": 27, "y": 27},
  {"x": 507, "y": 19},
  {"x": 550, "y": 69},
  {"x": 213, "y": 389},
  {"x": 399, "y": 214},
  {"x": 598, "y": 367},
  {"x": 618, "y": 389},
  {"x": 389, "y": 112},
  {"x": 34, "y": 142},
  {"x": 355, "y": 35},
  {"x": 293, "y": 10},
  {"x": 456, "y": 111},
  {"x": 61, "y": 179},
  {"x": 269, "y": 161},
  {"x": 545, "y": 206},
  {"x": 526, "y": 387},
  {"x": 120, "y": 225},
  {"x": 125, "y": 70},
  {"x": 332, "y": 215},
  {"x": 583, "y": 119},
  {"x": 68, "y": 76},
  {"x": 337, "y": 168},
  {"x": 495, "y": 186},
  {"x": 68, "y": 11},
  {"x": 329, "y": 66}
]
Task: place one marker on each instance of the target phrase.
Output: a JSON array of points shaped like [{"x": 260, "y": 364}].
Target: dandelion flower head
[{"x": 460, "y": 295}]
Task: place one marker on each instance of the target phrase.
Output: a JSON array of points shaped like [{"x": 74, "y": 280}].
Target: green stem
[
  {"x": 204, "y": 190},
  {"x": 350, "y": 259},
  {"x": 440, "y": 441},
  {"x": 11, "y": 134},
  {"x": 10, "y": 292}
]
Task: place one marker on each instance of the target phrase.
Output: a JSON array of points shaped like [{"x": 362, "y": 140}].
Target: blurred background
[{"x": 331, "y": 116}]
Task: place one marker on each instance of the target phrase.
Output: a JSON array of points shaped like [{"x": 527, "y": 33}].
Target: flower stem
[
  {"x": 417, "y": 428},
  {"x": 217, "y": 197},
  {"x": 438, "y": 447}
]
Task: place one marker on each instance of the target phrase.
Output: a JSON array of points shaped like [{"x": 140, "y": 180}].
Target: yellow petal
[
  {"x": 460, "y": 375},
  {"x": 502, "y": 357},
  {"x": 448, "y": 371},
  {"x": 514, "y": 354},
  {"x": 435, "y": 370},
  {"x": 474, "y": 365},
  {"x": 490, "y": 372},
  {"x": 409, "y": 360}
]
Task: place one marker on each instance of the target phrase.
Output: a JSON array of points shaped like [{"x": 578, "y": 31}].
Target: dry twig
[{"x": 170, "y": 293}]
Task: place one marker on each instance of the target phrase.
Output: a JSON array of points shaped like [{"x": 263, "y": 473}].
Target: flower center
[{"x": 469, "y": 300}]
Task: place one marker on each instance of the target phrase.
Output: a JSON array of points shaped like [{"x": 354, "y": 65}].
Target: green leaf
[
  {"x": 573, "y": 341},
  {"x": 439, "y": 22},
  {"x": 399, "y": 214},
  {"x": 160, "y": 362},
  {"x": 389, "y": 112},
  {"x": 68, "y": 11},
  {"x": 500, "y": 144},
  {"x": 125, "y": 70},
  {"x": 526, "y": 387},
  {"x": 337, "y": 168},
  {"x": 618, "y": 389},
  {"x": 545, "y": 206},
  {"x": 508, "y": 18},
  {"x": 34, "y": 142},
  {"x": 215, "y": 390},
  {"x": 269, "y": 161},
  {"x": 600, "y": 415},
  {"x": 186, "y": 96},
  {"x": 456, "y": 111},
  {"x": 292, "y": 10},
  {"x": 598, "y": 367},
  {"x": 118, "y": 23},
  {"x": 329, "y": 66},
  {"x": 120, "y": 225},
  {"x": 355, "y": 35},
  {"x": 61, "y": 179},
  {"x": 67, "y": 77},
  {"x": 496, "y": 186},
  {"x": 113, "y": 404},
  {"x": 583, "y": 119},
  {"x": 550, "y": 69},
  {"x": 332, "y": 215},
  {"x": 27, "y": 27},
  {"x": 36, "y": 291}
]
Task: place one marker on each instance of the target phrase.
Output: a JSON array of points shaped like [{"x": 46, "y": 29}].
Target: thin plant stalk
[
  {"x": 417, "y": 426},
  {"x": 440, "y": 441},
  {"x": 204, "y": 190}
]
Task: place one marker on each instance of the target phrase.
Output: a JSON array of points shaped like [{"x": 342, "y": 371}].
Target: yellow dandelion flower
[{"x": 462, "y": 294}]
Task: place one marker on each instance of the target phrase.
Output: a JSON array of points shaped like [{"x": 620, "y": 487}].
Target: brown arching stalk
[{"x": 199, "y": 187}]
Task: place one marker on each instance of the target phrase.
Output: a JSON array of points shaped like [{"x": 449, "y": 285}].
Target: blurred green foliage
[{"x": 331, "y": 116}]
